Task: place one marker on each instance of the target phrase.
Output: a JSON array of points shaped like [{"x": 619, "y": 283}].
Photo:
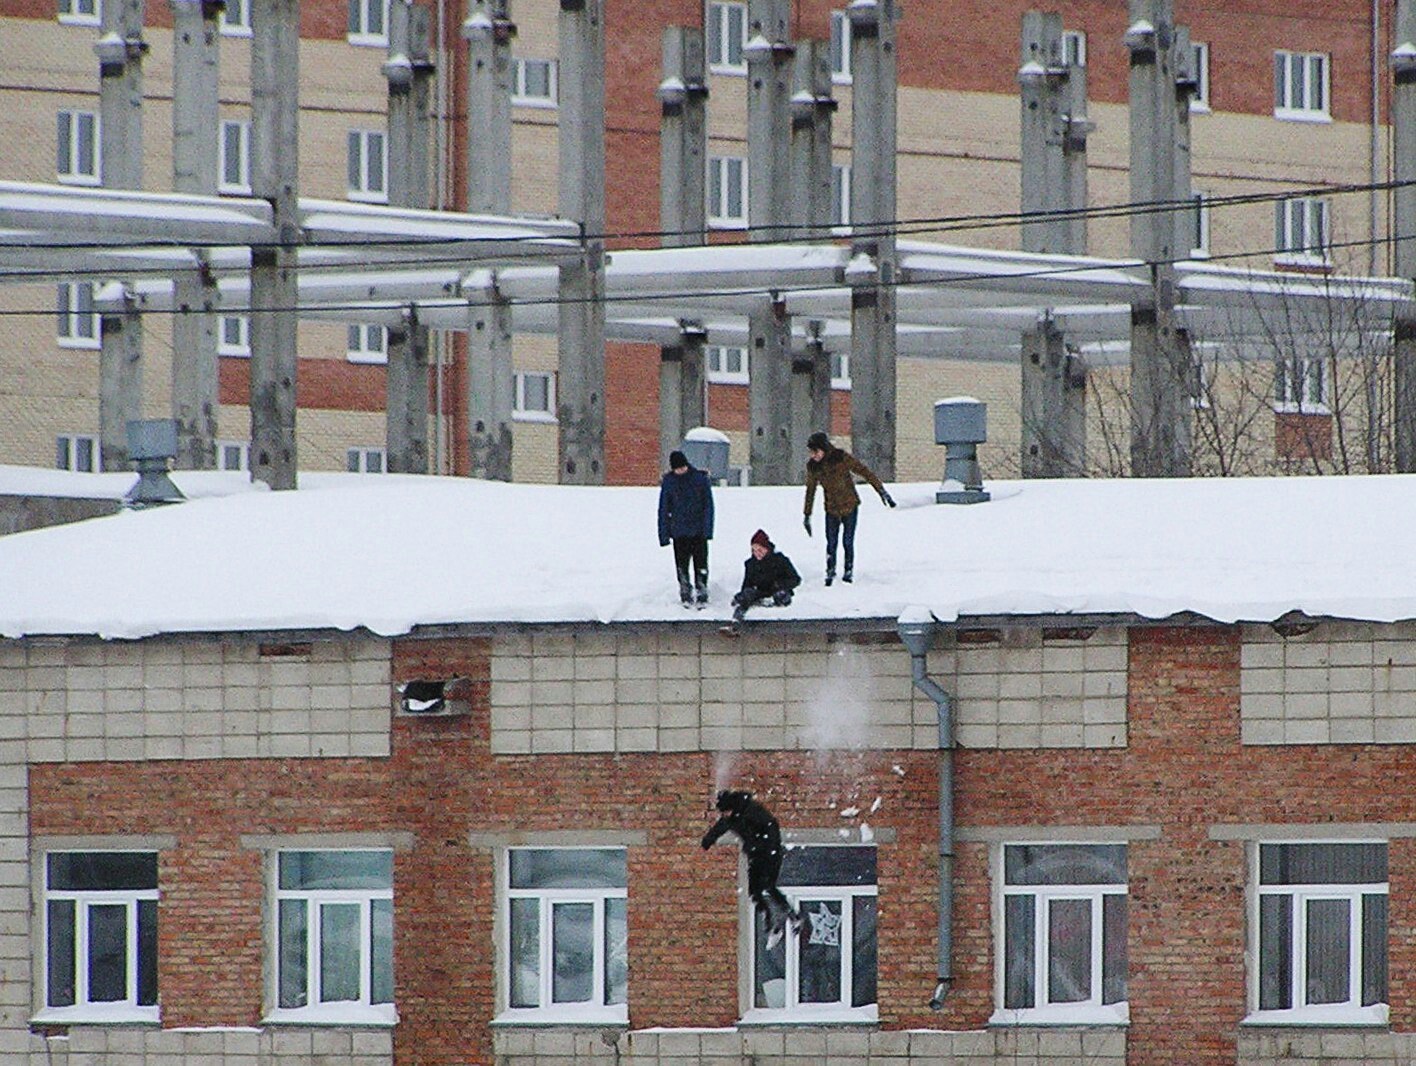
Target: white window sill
[
  {"x": 1199, "y": 108},
  {"x": 842, "y": 79},
  {"x": 545, "y": 418},
  {"x": 235, "y": 31},
  {"x": 98, "y": 1014},
  {"x": 727, "y": 379},
  {"x": 1373, "y": 1015},
  {"x": 1284, "y": 114},
  {"x": 79, "y": 20},
  {"x": 368, "y": 40},
  {"x": 727, "y": 223},
  {"x": 539, "y": 102},
  {"x": 89, "y": 181},
  {"x": 82, "y": 343},
  {"x": 234, "y": 353},
  {"x": 359, "y": 196},
  {"x": 813, "y": 1015},
  {"x": 1302, "y": 409},
  {"x": 1302, "y": 259},
  {"x": 367, "y": 358},
  {"x": 1065, "y": 1014},
  {"x": 570, "y": 1014},
  {"x": 227, "y": 189},
  {"x": 333, "y": 1014},
  {"x": 728, "y": 69}
]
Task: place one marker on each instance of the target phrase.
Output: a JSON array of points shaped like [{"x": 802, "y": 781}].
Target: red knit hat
[{"x": 760, "y": 537}]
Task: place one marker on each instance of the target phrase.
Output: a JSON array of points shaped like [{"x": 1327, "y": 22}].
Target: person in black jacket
[
  {"x": 686, "y": 518},
  {"x": 767, "y": 576},
  {"x": 761, "y": 838}
]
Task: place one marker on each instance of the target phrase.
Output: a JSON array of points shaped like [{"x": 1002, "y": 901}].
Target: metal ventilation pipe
[{"x": 916, "y": 627}]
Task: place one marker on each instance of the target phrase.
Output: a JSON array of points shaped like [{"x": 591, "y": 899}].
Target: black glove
[
  {"x": 806, "y": 524},
  {"x": 886, "y": 499}
]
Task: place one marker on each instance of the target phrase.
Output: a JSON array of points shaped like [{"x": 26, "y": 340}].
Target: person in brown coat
[{"x": 833, "y": 468}]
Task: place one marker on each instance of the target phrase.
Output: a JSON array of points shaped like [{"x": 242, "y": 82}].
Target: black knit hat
[
  {"x": 818, "y": 442},
  {"x": 677, "y": 460}
]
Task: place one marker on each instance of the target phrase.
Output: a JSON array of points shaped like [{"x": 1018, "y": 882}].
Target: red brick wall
[{"x": 323, "y": 383}]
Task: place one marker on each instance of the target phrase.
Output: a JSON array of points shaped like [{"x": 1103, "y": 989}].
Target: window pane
[
  {"x": 294, "y": 938},
  {"x": 374, "y": 461},
  {"x": 1374, "y": 949},
  {"x": 737, "y": 26},
  {"x": 1280, "y": 80},
  {"x": 1069, "y": 939},
  {"x": 336, "y": 869},
  {"x": 828, "y": 866},
  {"x": 88, "y": 871},
  {"x": 381, "y": 951},
  {"x": 83, "y": 454},
  {"x": 147, "y": 952},
  {"x": 863, "y": 958},
  {"x": 355, "y": 18},
  {"x": 769, "y": 967},
  {"x": 64, "y": 149},
  {"x": 1065, "y": 864},
  {"x": 356, "y": 167},
  {"x": 1315, "y": 83},
  {"x": 1328, "y": 948},
  {"x": 376, "y": 160},
  {"x": 735, "y": 192},
  {"x": 616, "y": 952},
  {"x": 1322, "y": 864},
  {"x": 572, "y": 952},
  {"x": 87, "y": 165},
  {"x": 107, "y": 953},
  {"x": 62, "y": 453},
  {"x": 60, "y": 953},
  {"x": 820, "y": 955},
  {"x": 351, "y": 460},
  {"x": 1275, "y": 952},
  {"x": 339, "y": 952},
  {"x": 1295, "y": 82},
  {"x": 1018, "y": 933},
  {"x": 568, "y": 868},
  {"x": 525, "y": 953},
  {"x": 1113, "y": 949}
]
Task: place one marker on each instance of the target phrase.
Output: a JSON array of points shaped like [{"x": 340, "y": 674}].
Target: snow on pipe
[{"x": 916, "y": 628}]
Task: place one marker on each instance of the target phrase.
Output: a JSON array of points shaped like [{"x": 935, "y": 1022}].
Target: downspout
[{"x": 916, "y": 627}]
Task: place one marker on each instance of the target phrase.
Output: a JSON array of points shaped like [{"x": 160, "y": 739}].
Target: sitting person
[{"x": 768, "y": 576}]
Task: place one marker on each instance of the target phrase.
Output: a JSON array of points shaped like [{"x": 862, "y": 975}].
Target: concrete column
[
  {"x": 120, "y": 52},
  {"x": 1403, "y": 110},
  {"x": 682, "y": 403},
  {"x": 809, "y": 207},
  {"x": 491, "y": 382},
  {"x": 811, "y": 388},
  {"x": 196, "y": 127},
  {"x": 1160, "y": 372},
  {"x": 275, "y": 138},
  {"x": 580, "y": 403},
  {"x": 1054, "y": 408},
  {"x": 873, "y": 359},
  {"x": 772, "y": 451}
]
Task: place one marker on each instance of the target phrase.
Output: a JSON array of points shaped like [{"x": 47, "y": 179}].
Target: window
[
  {"x": 233, "y": 455},
  {"x": 727, "y": 37},
  {"x": 840, "y": 194},
  {"x": 1322, "y": 930},
  {"x": 334, "y": 931},
  {"x": 1300, "y": 385},
  {"x": 77, "y": 320},
  {"x": 1064, "y": 934},
  {"x": 76, "y": 158},
  {"x": 80, "y": 12},
  {"x": 1300, "y": 85},
  {"x": 535, "y": 397},
  {"x": 1074, "y": 48},
  {"x": 725, "y": 365},
  {"x": 365, "y": 460},
  {"x": 1199, "y": 226},
  {"x": 235, "y": 157},
  {"x": 234, "y": 336},
  {"x": 535, "y": 83},
  {"x": 1200, "y": 64},
  {"x": 840, "y": 48},
  {"x": 1201, "y": 384},
  {"x": 840, "y": 370},
  {"x": 1301, "y": 230},
  {"x": 76, "y": 451},
  {"x": 567, "y": 947},
  {"x": 100, "y": 936},
  {"x": 727, "y": 192},
  {"x": 367, "y": 344},
  {"x": 829, "y": 969},
  {"x": 368, "y": 22},
  {"x": 368, "y": 166},
  {"x": 235, "y": 19}
]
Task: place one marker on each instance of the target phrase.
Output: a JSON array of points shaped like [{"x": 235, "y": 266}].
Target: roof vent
[
  {"x": 152, "y": 444},
  {"x": 707, "y": 449},
  {"x": 960, "y": 424}
]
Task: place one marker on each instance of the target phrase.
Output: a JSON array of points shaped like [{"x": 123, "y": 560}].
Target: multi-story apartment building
[{"x": 1289, "y": 98}]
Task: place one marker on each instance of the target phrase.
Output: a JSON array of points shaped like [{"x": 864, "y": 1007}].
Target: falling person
[
  {"x": 761, "y": 837},
  {"x": 832, "y": 468}
]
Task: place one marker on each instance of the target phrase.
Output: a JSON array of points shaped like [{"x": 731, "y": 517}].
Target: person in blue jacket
[{"x": 686, "y": 518}]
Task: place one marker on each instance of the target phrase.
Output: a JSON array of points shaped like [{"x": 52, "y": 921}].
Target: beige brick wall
[
  {"x": 1272, "y": 1047},
  {"x": 667, "y": 691},
  {"x": 1342, "y": 683},
  {"x": 91, "y": 1046}
]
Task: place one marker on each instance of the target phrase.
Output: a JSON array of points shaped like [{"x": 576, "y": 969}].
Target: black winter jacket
[
  {"x": 685, "y": 506},
  {"x": 774, "y": 572},
  {"x": 753, "y": 823}
]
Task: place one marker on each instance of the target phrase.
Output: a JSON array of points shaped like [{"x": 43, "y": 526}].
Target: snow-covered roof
[{"x": 391, "y": 552}]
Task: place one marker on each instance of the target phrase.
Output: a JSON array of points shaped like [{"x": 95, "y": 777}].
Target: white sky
[{"x": 390, "y": 552}]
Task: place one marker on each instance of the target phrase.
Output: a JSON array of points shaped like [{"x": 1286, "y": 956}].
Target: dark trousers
[
  {"x": 695, "y": 550},
  {"x": 845, "y": 529}
]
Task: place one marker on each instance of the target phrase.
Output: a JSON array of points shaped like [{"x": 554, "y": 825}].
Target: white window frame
[
  {"x": 81, "y": 130},
  {"x": 225, "y": 450},
  {"x": 520, "y": 411},
  {"x": 1074, "y": 48},
  {"x": 1296, "y": 378},
  {"x": 1089, "y": 1012},
  {"x": 233, "y": 336},
  {"x": 841, "y": 48},
  {"x": 719, "y": 185},
  {"x": 841, "y": 370},
  {"x": 85, "y": 901},
  {"x": 1200, "y": 230},
  {"x": 1348, "y": 1013},
  {"x": 237, "y": 22},
  {"x": 718, "y": 20},
  {"x": 595, "y": 1010},
  {"x": 235, "y": 132},
  {"x": 366, "y": 343},
  {"x": 521, "y": 96},
  {"x": 361, "y": 14},
  {"x": 77, "y": 328},
  {"x": 317, "y": 1011},
  {"x": 365, "y": 460},
  {"x": 802, "y": 898},
  {"x": 1200, "y": 61},
  {"x": 67, "y": 448},
  {"x": 841, "y": 178},
  {"x": 716, "y": 360},
  {"x": 367, "y": 165},
  {"x": 80, "y": 12},
  {"x": 1295, "y": 220},
  {"x": 1308, "y": 100}
]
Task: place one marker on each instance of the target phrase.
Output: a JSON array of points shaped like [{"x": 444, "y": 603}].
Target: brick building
[
  {"x": 306, "y": 809},
  {"x": 958, "y": 166}
]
